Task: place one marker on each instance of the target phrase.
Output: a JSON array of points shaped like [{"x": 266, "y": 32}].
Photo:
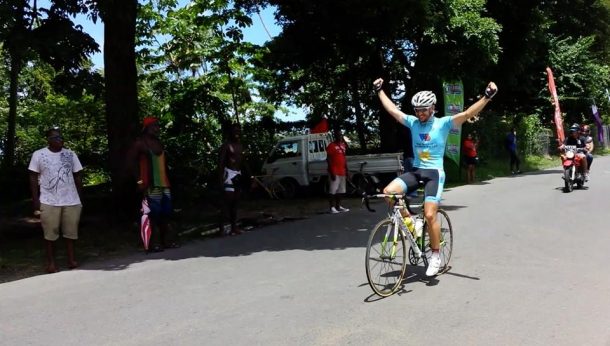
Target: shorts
[
  {"x": 231, "y": 180},
  {"x": 159, "y": 202},
  {"x": 433, "y": 180},
  {"x": 52, "y": 218},
  {"x": 471, "y": 160},
  {"x": 338, "y": 185}
]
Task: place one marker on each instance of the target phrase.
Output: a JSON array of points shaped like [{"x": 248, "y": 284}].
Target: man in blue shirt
[
  {"x": 428, "y": 138},
  {"x": 511, "y": 146}
]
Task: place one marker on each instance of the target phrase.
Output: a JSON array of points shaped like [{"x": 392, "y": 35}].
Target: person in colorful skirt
[{"x": 154, "y": 184}]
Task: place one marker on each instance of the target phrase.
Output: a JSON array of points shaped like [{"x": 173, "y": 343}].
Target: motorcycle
[{"x": 573, "y": 172}]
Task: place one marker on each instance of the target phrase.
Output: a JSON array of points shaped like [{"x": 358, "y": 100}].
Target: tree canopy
[{"x": 188, "y": 63}]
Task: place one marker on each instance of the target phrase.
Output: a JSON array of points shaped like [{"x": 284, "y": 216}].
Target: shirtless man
[{"x": 231, "y": 161}]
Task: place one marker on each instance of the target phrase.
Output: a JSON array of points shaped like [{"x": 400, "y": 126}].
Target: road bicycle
[
  {"x": 272, "y": 187},
  {"x": 364, "y": 183},
  {"x": 386, "y": 250}
]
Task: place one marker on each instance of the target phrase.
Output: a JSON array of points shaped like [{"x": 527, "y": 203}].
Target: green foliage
[
  {"x": 532, "y": 135},
  {"x": 197, "y": 74},
  {"x": 79, "y": 118},
  {"x": 580, "y": 77},
  {"x": 197, "y": 79},
  {"x": 95, "y": 176},
  {"x": 330, "y": 52},
  {"x": 31, "y": 33},
  {"x": 490, "y": 130}
]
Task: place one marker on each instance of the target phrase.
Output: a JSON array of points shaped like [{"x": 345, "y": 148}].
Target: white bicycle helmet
[{"x": 423, "y": 99}]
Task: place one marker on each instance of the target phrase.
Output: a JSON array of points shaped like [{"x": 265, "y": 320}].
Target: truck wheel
[{"x": 290, "y": 189}]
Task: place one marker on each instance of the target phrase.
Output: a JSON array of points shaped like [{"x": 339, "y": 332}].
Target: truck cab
[{"x": 292, "y": 157}]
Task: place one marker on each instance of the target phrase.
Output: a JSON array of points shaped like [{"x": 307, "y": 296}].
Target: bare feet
[{"x": 51, "y": 268}]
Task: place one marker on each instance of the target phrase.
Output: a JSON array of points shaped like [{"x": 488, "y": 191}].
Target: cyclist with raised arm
[{"x": 429, "y": 136}]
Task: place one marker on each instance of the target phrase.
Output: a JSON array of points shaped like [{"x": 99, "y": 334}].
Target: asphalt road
[{"x": 529, "y": 267}]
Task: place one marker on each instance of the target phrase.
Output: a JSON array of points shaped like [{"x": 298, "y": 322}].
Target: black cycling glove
[{"x": 489, "y": 93}]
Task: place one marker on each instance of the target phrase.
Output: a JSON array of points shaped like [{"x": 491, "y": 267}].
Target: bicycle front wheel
[
  {"x": 386, "y": 258},
  {"x": 446, "y": 243}
]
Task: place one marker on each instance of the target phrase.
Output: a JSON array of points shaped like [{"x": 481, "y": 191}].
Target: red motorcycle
[{"x": 573, "y": 172}]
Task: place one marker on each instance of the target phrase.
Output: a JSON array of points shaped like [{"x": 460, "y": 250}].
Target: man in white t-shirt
[{"x": 56, "y": 185}]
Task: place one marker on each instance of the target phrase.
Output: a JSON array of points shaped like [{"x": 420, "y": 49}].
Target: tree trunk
[
  {"x": 120, "y": 72},
  {"x": 9, "y": 148}
]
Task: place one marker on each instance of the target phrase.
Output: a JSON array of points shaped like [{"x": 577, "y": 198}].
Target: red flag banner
[{"x": 558, "y": 121}]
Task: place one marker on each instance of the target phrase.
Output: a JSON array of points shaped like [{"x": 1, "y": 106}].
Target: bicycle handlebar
[{"x": 366, "y": 198}]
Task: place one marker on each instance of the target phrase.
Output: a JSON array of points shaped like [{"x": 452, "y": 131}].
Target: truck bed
[{"x": 373, "y": 164}]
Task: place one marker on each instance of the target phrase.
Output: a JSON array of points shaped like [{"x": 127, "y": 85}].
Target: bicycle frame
[
  {"x": 399, "y": 220},
  {"x": 386, "y": 257},
  {"x": 399, "y": 225}
]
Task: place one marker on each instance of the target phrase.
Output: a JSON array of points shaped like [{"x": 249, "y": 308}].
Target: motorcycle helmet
[
  {"x": 423, "y": 99},
  {"x": 574, "y": 128}
]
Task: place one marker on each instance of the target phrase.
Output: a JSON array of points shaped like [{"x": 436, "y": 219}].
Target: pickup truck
[{"x": 299, "y": 162}]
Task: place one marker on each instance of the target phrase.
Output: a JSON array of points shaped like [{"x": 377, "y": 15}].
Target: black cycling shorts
[{"x": 432, "y": 179}]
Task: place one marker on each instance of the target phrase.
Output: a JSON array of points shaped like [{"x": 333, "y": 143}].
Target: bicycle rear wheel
[
  {"x": 446, "y": 246},
  {"x": 277, "y": 190},
  {"x": 386, "y": 258}
]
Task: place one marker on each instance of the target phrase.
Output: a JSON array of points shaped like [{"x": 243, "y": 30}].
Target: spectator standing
[
  {"x": 469, "y": 148},
  {"x": 230, "y": 172},
  {"x": 511, "y": 146},
  {"x": 148, "y": 152},
  {"x": 337, "y": 172},
  {"x": 56, "y": 186}
]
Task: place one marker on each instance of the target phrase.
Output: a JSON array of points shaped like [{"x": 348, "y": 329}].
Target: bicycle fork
[
  {"x": 392, "y": 231},
  {"x": 391, "y": 252}
]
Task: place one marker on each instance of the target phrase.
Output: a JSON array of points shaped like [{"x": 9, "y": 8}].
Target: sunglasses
[
  {"x": 420, "y": 109},
  {"x": 55, "y": 138}
]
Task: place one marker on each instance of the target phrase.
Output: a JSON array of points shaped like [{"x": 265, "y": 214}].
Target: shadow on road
[
  {"x": 548, "y": 171},
  {"x": 415, "y": 274},
  {"x": 316, "y": 232}
]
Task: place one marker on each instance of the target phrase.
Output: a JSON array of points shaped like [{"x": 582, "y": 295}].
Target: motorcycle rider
[
  {"x": 574, "y": 139},
  {"x": 589, "y": 146}
]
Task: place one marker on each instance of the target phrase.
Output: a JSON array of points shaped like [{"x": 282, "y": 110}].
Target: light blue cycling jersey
[{"x": 429, "y": 140}]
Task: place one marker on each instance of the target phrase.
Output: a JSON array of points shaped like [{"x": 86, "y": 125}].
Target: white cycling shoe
[{"x": 434, "y": 265}]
